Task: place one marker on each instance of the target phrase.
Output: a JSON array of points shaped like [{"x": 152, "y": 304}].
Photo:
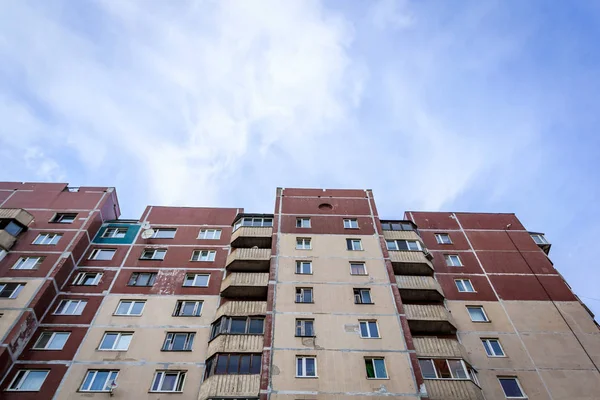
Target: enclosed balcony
[
  {"x": 230, "y": 386},
  {"x": 13, "y": 221},
  {"x": 249, "y": 260},
  {"x": 236, "y": 344},
  {"x": 415, "y": 288},
  {"x": 429, "y": 318},
  {"x": 434, "y": 347},
  {"x": 410, "y": 263},
  {"x": 541, "y": 241},
  {"x": 252, "y": 236},
  {"x": 246, "y": 285},
  {"x": 402, "y": 235},
  {"x": 452, "y": 389},
  {"x": 242, "y": 309}
]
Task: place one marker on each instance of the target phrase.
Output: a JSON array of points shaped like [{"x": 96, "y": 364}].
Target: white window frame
[
  {"x": 303, "y": 222},
  {"x": 349, "y": 222},
  {"x": 360, "y": 295},
  {"x": 464, "y": 283},
  {"x": 20, "y": 378},
  {"x": 157, "y": 233},
  {"x": 128, "y": 314},
  {"x": 194, "y": 280},
  {"x": 209, "y": 234},
  {"x": 353, "y": 244},
  {"x": 81, "y": 277},
  {"x": 113, "y": 232},
  {"x": 364, "y": 266},
  {"x": 180, "y": 305},
  {"x": 301, "y": 323},
  {"x": 250, "y": 222},
  {"x": 299, "y": 267},
  {"x": 303, "y": 243},
  {"x": 153, "y": 254},
  {"x": 451, "y": 262},
  {"x": 482, "y": 310},
  {"x": 368, "y": 328},
  {"x": 541, "y": 239},
  {"x": 47, "y": 239},
  {"x": 15, "y": 293},
  {"x": 151, "y": 279},
  {"x": 486, "y": 342},
  {"x": 94, "y": 255},
  {"x": 111, "y": 377},
  {"x": 372, "y": 359},
  {"x": 170, "y": 340},
  {"x": 79, "y": 302},
  {"x": 61, "y": 218},
  {"x": 28, "y": 262},
  {"x": 52, "y": 335},
  {"x": 115, "y": 347},
  {"x": 439, "y": 238},
  {"x": 203, "y": 255},
  {"x": 303, "y": 367},
  {"x": 160, "y": 375},
  {"x": 397, "y": 247},
  {"x": 302, "y": 291},
  {"x": 524, "y": 396},
  {"x": 437, "y": 376}
]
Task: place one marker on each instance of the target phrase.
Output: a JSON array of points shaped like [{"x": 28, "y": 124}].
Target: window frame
[
  {"x": 81, "y": 277},
  {"x": 303, "y": 222},
  {"x": 135, "y": 276},
  {"x": 366, "y": 323},
  {"x": 212, "y": 364},
  {"x": 180, "y": 305},
  {"x": 439, "y": 238},
  {"x": 463, "y": 281},
  {"x": 407, "y": 241},
  {"x": 97, "y": 251},
  {"x": 79, "y": 302},
  {"x": 299, "y": 267},
  {"x": 389, "y": 226},
  {"x": 350, "y": 244},
  {"x": 203, "y": 234},
  {"x": 348, "y": 222},
  {"x": 54, "y": 239},
  {"x": 21, "y": 376},
  {"x": 487, "y": 345},
  {"x": 516, "y": 379},
  {"x": 301, "y": 243},
  {"x": 223, "y": 326},
  {"x": 93, "y": 379},
  {"x": 301, "y": 291},
  {"x": 154, "y": 253},
  {"x": 157, "y": 231},
  {"x": 25, "y": 260},
  {"x": 487, "y": 319},
  {"x": 61, "y": 218},
  {"x": 449, "y": 260},
  {"x": 364, "y": 267},
  {"x": 119, "y": 336},
  {"x": 372, "y": 360},
  {"x": 14, "y": 293},
  {"x": 179, "y": 380},
  {"x": 113, "y": 232},
  {"x": 170, "y": 339},
  {"x": 52, "y": 334},
  {"x": 303, "y": 367},
  {"x": 187, "y": 277},
  {"x": 300, "y": 326},
  {"x": 359, "y": 292},
  {"x": 432, "y": 361},
  {"x": 130, "y": 308},
  {"x": 250, "y": 222},
  {"x": 210, "y": 255},
  {"x": 541, "y": 238}
]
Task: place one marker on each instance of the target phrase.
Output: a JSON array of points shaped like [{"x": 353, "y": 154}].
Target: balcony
[
  {"x": 246, "y": 285},
  {"x": 225, "y": 343},
  {"x": 415, "y": 288},
  {"x": 402, "y": 235},
  {"x": 429, "y": 318},
  {"x": 242, "y": 309},
  {"x": 541, "y": 241},
  {"x": 252, "y": 236},
  {"x": 434, "y": 347},
  {"x": 452, "y": 389},
  {"x": 249, "y": 260},
  {"x": 410, "y": 263},
  {"x": 12, "y": 222},
  {"x": 230, "y": 386}
]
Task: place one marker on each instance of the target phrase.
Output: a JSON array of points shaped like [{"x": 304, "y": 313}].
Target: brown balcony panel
[
  {"x": 402, "y": 235},
  {"x": 451, "y": 389},
  {"x": 410, "y": 263},
  {"x": 246, "y": 285},
  {"x": 18, "y": 214},
  {"x": 236, "y": 344},
  {"x": 428, "y": 318},
  {"x": 434, "y": 347},
  {"x": 242, "y": 309},
  {"x": 250, "y": 236},
  {"x": 415, "y": 288},
  {"x": 230, "y": 386},
  {"x": 249, "y": 260}
]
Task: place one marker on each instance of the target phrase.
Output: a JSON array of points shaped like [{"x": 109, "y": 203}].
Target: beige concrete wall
[
  {"x": 330, "y": 246},
  {"x": 516, "y": 357},
  {"x": 498, "y": 320},
  {"x": 333, "y": 397},
  {"x": 529, "y": 380},
  {"x": 580, "y": 385},
  {"x": 332, "y": 270},
  {"x": 25, "y": 296},
  {"x": 7, "y": 320}
]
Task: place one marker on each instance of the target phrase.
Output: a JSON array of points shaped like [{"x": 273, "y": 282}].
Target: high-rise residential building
[{"x": 321, "y": 299}]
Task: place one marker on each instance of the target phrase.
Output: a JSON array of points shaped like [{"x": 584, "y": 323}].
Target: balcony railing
[
  {"x": 251, "y": 236},
  {"x": 415, "y": 288},
  {"x": 225, "y": 343},
  {"x": 429, "y": 318},
  {"x": 246, "y": 285},
  {"x": 249, "y": 260},
  {"x": 433, "y": 347},
  {"x": 410, "y": 263},
  {"x": 230, "y": 386},
  {"x": 452, "y": 389},
  {"x": 242, "y": 309}
]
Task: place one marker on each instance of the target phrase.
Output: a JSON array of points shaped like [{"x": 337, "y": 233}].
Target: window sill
[
  {"x": 193, "y": 316},
  {"x": 306, "y": 377},
  {"x": 364, "y": 337},
  {"x": 498, "y": 357},
  {"x": 151, "y": 259},
  {"x": 165, "y": 391},
  {"x": 481, "y": 322},
  {"x": 306, "y": 336},
  {"x": 364, "y": 303},
  {"x": 34, "y": 349},
  {"x": 127, "y": 315},
  {"x": 359, "y": 274},
  {"x": 111, "y": 350},
  {"x": 304, "y": 302},
  {"x": 378, "y": 379},
  {"x": 176, "y": 351},
  {"x": 93, "y": 391}
]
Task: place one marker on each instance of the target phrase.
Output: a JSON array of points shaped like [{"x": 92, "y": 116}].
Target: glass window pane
[
  {"x": 234, "y": 364},
  {"x": 427, "y": 369},
  {"x": 256, "y": 325},
  {"x": 370, "y": 368},
  {"x": 100, "y": 380},
  {"x": 308, "y": 328},
  {"x": 137, "y": 308},
  {"x": 245, "y": 365},
  {"x": 380, "y": 368},
  {"x": 168, "y": 383},
  {"x": 442, "y": 369},
  {"x": 364, "y": 332},
  {"x": 238, "y": 325},
  {"x": 373, "y": 329},
  {"x": 124, "y": 342},
  {"x": 179, "y": 341},
  {"x": 510, "y": 387},
  {"x": 109, "y": 341},
  {"x": 310, "y": 367},
  {"x": 487, "y": 348},
  {"x": 366, "y": 296},
  {"x": 477, "y": 314},
  {"x": 496, "y": 347},
  {"x": 256, "y": 363},
  {"x": 299, "y": 367},
  {"x": 34, "y": 380},
  {"x": 88, "y": 380},
  {"x": 43, "y": 340},
  {"x": 457, "y": 370},
  {"x": 221, "y": 367}
]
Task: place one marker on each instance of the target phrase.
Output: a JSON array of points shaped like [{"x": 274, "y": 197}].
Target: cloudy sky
[{"x": 438, "y": 105}]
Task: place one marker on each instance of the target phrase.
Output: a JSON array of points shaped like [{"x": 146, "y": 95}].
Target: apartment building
[{"x": 320, "y": 299}]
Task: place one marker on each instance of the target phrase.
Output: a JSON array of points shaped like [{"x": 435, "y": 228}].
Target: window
[
  {"x": 464, "y": 285},
  {"x": 11, "y": 227},
  {"x": 443, "y": 369},
  {"x": 64, "y": 218},
  {"x": 87, "y": 278},
  {"x": 511, "y": 387},
  {"x": 303, "y": 244},
  {"x": 353, "y": 244},
  {"x": 351, "y": 223},
  {"x": 538, "y": 238},
  {"x": 233, "y": 364},
  {"x": 28, "y": 380},
  {"x": 168, "y": 381},
  {"x": 99, "y": 380},
  {"x": 397, "y": 226},
  {"x": 130, "y": 307},
  {"x": 305, "y": 327},
  {"x": 51, "y": 341},
  {"x": 212, "y": 234},
  {"x": 306, "y": 367},
  {"x": 492, "y": 347},
  {"x": 404, "y": 245},
  {"x": 357, "y": 268},
  {"x": 178, "y": 341},
  {"x": 115, "y": 233},
  {"x": 204, "y": 255},
  {"x": 369, "y": 330},
  {"x": 375, "y": 368},
  {"x": 70, "y": 307},
  {"x": 47, "y": 238},
  {"x": 153, "y": 254},
  {"x": 237, "y": 326},
  {"x": 199, "y": 280},
  {"x": 477, "y": 314},
  {"x": 102, "y": 254},
  {"x": 362, "y": 296},
  {"x": 142, "y": 279},
  {"x": 443, "y": 238},
  {"x": 304, "y": 267},
  {"x": 453, "y": 260},
  {"x": 304, "y": 295},
  {"x": 116, "y": 341},
  {"x": 253, "y": 221},
  {"x": 28, "y": 263},
  {"x": 186, "y": 308},
  {"x": 10, "y": 290},
  {"x": 164, "y": 233},
  {"x": 302, "y": 222}
]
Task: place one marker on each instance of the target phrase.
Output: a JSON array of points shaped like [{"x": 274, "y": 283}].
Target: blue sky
[{"x": 435, "y": 105}]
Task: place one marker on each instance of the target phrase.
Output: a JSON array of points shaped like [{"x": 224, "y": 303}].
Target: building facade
[{"x": 320, "y": 299}]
